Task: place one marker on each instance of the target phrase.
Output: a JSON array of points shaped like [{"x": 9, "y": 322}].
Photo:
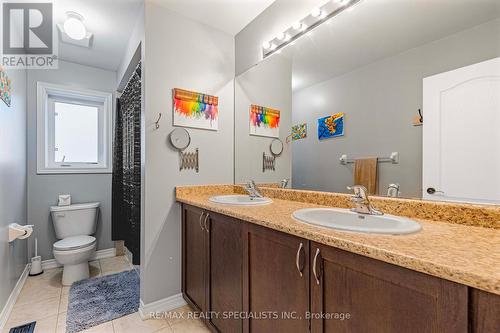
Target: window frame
[{"x": 47, "y": 95}]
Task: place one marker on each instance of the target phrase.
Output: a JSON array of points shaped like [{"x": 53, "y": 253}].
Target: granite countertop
[{"x": 469, "y": 255}]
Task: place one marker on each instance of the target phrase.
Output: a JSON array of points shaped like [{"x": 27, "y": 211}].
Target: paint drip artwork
[
  {"x": 299, "y": 132},
  {"x": 196, "y": 110},
  {"x": 264, "y": 121},
  {"x": 331, "y": 126},
  {"x": 5, "y": 87}
]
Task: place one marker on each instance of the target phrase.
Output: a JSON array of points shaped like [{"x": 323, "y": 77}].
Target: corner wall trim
[
  {"x": 162, "y": 305},
  {"x": 7, "y": 309},
  {"x": 100, "y": 254}
]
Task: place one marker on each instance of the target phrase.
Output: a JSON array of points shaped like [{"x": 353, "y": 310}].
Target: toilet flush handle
[{"x": 60, "y": 215}]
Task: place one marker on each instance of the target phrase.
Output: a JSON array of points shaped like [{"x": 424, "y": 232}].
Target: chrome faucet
[
  {"x": 284, "y": 183},
  {"x": 361, "y": 201},
  {"x": 253, "y": 190}
]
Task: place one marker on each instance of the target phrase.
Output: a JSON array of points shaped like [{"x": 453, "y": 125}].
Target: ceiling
[
  {"x": 230, "y": 16},
  {"x": 377, "y": 29},
  {"x": 111, "y": 22}
]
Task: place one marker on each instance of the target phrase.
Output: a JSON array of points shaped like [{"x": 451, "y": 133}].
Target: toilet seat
[{"x": 74, "y": 243}]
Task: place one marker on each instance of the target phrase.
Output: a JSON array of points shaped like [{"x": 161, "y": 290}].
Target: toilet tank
[{"x": 75, "y": 220}]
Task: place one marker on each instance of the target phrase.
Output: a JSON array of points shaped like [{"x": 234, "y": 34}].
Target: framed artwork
[
  {"x": 195, "y": 110},
  {"x": 5, "y": 87},
  {"x": 264, "y": 121},
  {"x": 299, "y": 132},
  {"x": 331, "y": 126}
]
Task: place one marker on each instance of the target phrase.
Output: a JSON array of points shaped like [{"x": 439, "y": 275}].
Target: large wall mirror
[{"x": 355, "y": 89}]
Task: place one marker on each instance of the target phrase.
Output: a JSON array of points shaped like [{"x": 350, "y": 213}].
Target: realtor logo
[{"x": 28, "y": 35}]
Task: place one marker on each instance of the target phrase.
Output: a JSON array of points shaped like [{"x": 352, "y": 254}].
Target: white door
[{"x": 461, "y": 139}]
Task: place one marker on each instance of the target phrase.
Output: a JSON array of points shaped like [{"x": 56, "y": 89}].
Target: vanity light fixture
[
  {"x": 297, "y": 25},
  {"x": 316, "y": 12},
  {"x": 317, "y": 16}
]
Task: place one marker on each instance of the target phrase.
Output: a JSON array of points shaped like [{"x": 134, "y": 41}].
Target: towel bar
[{"x": 394, "y": 159}]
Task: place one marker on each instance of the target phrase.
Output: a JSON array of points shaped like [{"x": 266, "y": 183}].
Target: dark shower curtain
[{"x": 126, "y": 194}]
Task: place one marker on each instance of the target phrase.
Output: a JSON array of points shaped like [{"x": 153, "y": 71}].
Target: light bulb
[
  {"x": 316, "y": 12},
  {"x": 273, "y": 47},
  {"x": 287, "y": 37},
  {"x": 297, "y": 25},
  {"x": 266, "y": 45},
  {"x": 304, "y": 27},
  {"x": 280, "y": 36},
  {"x": 75, "y": 28}
]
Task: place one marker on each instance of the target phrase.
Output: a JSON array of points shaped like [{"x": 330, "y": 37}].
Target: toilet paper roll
[{"x": 17, "y": 231}]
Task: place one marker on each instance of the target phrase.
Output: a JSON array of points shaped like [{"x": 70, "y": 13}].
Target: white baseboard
[
  {"x": 7, "y": 309},
  {"x": 100, "y": 254},
  {"x": 128, "y": 255},
  {"x": 162, "y": 305}
]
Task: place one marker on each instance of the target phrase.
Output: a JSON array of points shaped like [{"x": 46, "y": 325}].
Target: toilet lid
[{"x": 73, "y": 243}]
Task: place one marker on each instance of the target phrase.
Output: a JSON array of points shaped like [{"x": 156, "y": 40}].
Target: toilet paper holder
[{"x": 17, "y": 231}]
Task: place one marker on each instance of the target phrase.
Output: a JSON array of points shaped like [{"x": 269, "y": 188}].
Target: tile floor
[{"x": 44, "y": 299}]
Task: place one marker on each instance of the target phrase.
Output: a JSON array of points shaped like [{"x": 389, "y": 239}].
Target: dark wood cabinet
[
  {"x": 379, "y": 297},
  {"x": 212, "y": 267},
  {"x": 226, "y": 264},
  {"x": 484, "y": 312},
  {"x": 275, "y": 281},
  {"x": 194, "y": 258}
]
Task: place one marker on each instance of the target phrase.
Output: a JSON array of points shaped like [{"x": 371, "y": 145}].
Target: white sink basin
[
  {"x": 239, "y": 200},
  {"x": 347, "y": 220}
]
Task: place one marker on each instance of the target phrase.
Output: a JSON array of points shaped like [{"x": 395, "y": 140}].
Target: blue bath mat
[{"x": 101, "y": 299}]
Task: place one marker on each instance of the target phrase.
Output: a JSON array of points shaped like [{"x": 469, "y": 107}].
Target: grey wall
[
  {"x": 277, "y": 17},
  {"x": 43, "y": 190},
  {"x": 269, "y": 84},
  {"x": 132, "y": 55},
  {"x": 13, "y": 257},
  {"x": 379, "y": 101},
  {"x": 179, "y": 53}
]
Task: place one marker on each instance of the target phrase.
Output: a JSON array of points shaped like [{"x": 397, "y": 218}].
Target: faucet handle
[{"x": 359, "y": 191}]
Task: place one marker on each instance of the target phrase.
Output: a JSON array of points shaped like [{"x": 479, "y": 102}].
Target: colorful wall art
[
  {"x": 299, "y": 132},
  {"x": 331, "y": 126},
  {"x": 264, "y": 121},
  {"x": 196, "y": 110},
  {"x": 5, "y": 87}
]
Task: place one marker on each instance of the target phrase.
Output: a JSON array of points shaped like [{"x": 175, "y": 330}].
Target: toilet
[{"x": 74, "y": 225}]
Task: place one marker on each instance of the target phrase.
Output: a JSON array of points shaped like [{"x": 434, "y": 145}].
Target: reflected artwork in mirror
[{"x": 421, "y": 79}]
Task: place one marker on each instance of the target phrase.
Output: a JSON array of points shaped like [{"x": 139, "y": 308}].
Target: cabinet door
[
  {"x": 225, "y": 272},
  {"x": 194, "y": 258},
  {"x": 485, "y": 311},
  {"x": 380, "y": 297},
  {"x": 275, "y": 281}
]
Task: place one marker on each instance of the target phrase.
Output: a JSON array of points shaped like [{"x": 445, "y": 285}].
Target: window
[{"x": 74, "y": 130}]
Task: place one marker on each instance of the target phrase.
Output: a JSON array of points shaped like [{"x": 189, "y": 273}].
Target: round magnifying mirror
[
  {"x": 276, "y": 147},
  {"x": 180, "y": 138}
]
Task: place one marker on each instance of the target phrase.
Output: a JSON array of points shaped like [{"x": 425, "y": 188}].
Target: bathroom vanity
[{"x": 254, "y": 269}]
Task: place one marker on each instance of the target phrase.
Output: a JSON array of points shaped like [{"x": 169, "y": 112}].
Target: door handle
[
  {"x": 201, "y": 217},
  {"x": 297, "y": 259},
  {"x": 205, "y": 223},
  {"x": 315, "y": 262}
]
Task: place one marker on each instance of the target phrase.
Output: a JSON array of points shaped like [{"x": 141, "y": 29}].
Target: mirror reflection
[{"x": 413, "y": 113}]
